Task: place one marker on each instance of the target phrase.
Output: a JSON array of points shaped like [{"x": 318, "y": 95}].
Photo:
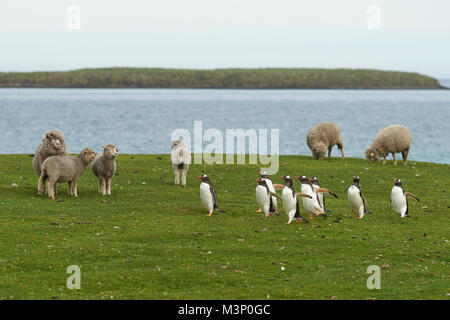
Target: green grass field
[
  {"x": 265, "y": 78},
  {"x": 152, "y": 240}
]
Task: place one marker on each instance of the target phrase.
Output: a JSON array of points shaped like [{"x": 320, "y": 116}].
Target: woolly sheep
[
  {"x": 68, "y": 169},
  {"x": 181, "y": 159},
  {"x": 323, "y": 136},
  {"x": 53, "y": 144},
  {"x": 392, "y": 139},
  {"x": 104, "y": 168}
]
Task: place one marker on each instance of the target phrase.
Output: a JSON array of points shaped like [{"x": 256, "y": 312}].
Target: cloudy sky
[{"x": 406, "y": 35}]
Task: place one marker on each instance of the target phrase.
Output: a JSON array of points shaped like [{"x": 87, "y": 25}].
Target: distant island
[{"x": 268, "y": 78}]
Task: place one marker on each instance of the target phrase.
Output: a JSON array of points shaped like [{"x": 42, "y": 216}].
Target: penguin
[
  {"x": 264, "y": 175},
  {"x": 399, "y": 199},
  {"x": 320, "y": 196},
  {"x": 290, "y": 201},
  {"x": 208, "y": 195},
  {"x": 358, "y": 203},
  {"x": 312, "y": 205},
  {"x": 264, "y": 197}
]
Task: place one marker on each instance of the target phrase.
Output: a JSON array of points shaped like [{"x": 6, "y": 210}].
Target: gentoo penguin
[
  {"x": 264, "y": 176},
  {"x": 320, "y": 196},
  {"x": 357, "y": 201},
  {"x": 398, "y": 199},
  {"x": 311, "y": 204},
  {"x": 208, "y": 194},
  {"x": 264, "y": 197},
  {"x": 290, "y": 201}
]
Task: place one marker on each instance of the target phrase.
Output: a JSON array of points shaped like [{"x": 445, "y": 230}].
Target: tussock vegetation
[{"x": 221, "y": 78}]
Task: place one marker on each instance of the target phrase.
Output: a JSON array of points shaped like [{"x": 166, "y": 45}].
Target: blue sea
[{"x": 142, "y": 120}]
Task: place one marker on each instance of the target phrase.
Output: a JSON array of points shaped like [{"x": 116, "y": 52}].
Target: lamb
[
  {"x": 181, "y": 159},
  {"x": 68, "y": 169},
  {"x": 323, "y": 136},
  {"x": 392, "y": 139},
  {"x": 53, "y": 144},
  {"x": 104, "y": 168}
]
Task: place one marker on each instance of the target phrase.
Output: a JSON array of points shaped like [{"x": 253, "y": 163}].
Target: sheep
[
  {"x": 392, "y": 139},
  {"x": 104, "y": 168},
  {"x": 323, "y": 136},
  {"x": 53, "y": 144},
  {"x": 181, "y": 159},
  {"x": 68, "y": 169}
]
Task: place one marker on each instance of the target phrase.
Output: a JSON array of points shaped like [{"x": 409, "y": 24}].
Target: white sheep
[
  {"x": 392, "y": 139},
  {"x": 53, "y": 144},
  {"x": 322, "y": 137},
  {"x": 68, "y": 169},
  {"x": 104, "y": 168},
  {"x": 181, "y": 159}
]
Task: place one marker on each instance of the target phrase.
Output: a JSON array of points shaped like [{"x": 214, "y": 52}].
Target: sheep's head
[
  {"x": 110, "y": 151},
  {"x": 87, "y": 154},
  {"x": 371, "y": 155},
  {"x": 176, "y": 143},
  {"x": 319, "y": 150},
  {"x": 54, "y": 138}
]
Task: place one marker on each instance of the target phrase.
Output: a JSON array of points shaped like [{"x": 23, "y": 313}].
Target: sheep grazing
[
  {"x": 323, "y": 136},
  {"x": 53, "y": 144},
  {"x": 104, "y": 168},
  {"x": 181, "y": 159},
  {"x": 68, "y": 169},
  {"x": 392, "y": 139}
]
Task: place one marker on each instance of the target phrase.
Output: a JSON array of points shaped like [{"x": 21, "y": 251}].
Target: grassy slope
[
  {"x": 166, "y": 248},
  {"x": 220, "y": 78}
]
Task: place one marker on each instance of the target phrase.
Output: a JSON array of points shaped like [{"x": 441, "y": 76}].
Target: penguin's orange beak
[
  {"x": 259, "y": 172},
  {"x": 281, "y": 177},
  {"x": 309, "y": 179},
  {"x": 257, "y": 180},
  {"x": 199, "y": 177},
  {"x": 297, "y": 177}
]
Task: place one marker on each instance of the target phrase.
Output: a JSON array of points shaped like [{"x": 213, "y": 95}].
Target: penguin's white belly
[
  {"x": 355, "y": 200},
  {"x": 263, "y": 199},
  {"x": 206, "y": 196},
  {"x": 398, "y": 200},
  {"x": 272, "y": 189},
  {"x": 289, "y": 201},
  {"x": 310, "y": 205}
]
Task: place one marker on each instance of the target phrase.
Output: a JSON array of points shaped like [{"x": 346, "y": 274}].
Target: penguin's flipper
[
  {"x": 332, "y": 194},
  {"x": 366, "y": 210},
  {"x": 303, "y": 195},
  {"x": 273, "y": 194},
  {"x": 411, "y": 196},
  {"x": 278, "y": 186}
]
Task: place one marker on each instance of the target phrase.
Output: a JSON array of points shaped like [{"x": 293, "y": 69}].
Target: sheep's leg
[
  {"x": 329, "y": 152},
  {"x": 103, "y": 185},
  {"x": 69, "y": 187},
  {"x": 342, "y": 152},
  {"x": 75, "y": 188},
  {"x": 177, "y": 176},
  {"x": 41, "y": 184},
  {"x": 51, "y": 189},
  {"x": 99, "y": 185},
  {"x": 384, "y": 161},
  {"x": 183, "y": 175},
  {"x": 395, "y": 160},
  {"x": 405, "y": 157},
  {"x": 108, "y": 185}
]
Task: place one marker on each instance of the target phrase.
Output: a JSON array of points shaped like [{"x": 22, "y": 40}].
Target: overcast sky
[{"x": 408, "y": 35}]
